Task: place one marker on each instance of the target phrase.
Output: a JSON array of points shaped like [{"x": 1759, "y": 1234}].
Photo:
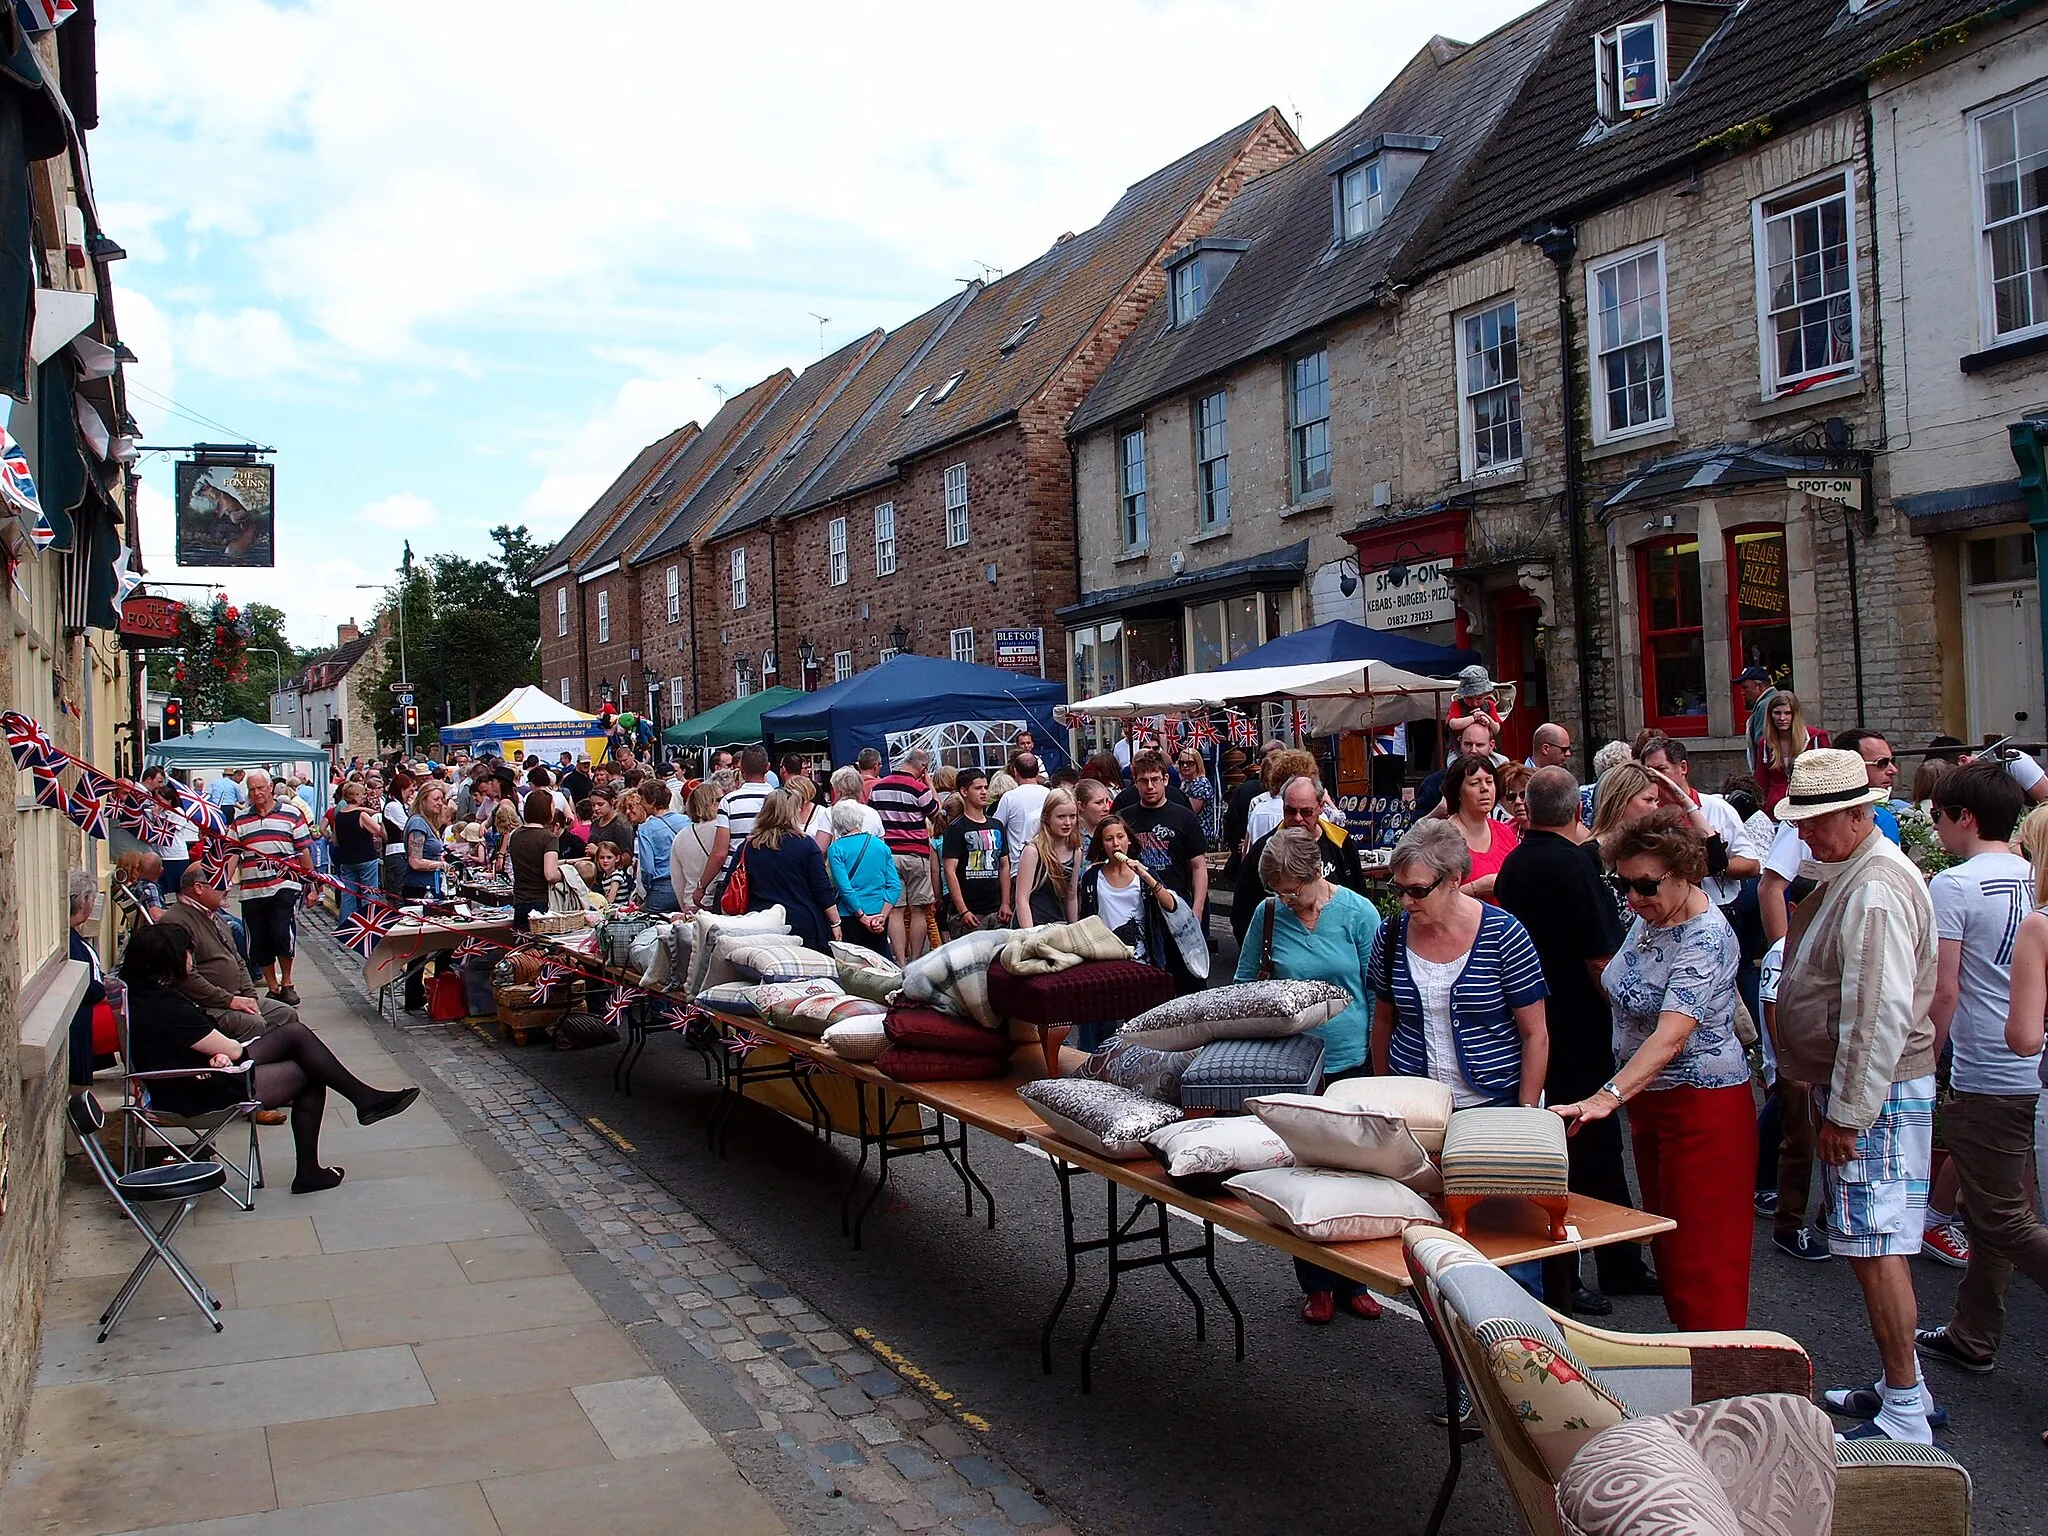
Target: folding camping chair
[
  {"x": 181, "y": 1183},
  {"x": 190, "y": 1138}
]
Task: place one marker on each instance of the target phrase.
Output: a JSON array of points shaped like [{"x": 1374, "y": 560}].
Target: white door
[{"x": 2002, "y": 626}]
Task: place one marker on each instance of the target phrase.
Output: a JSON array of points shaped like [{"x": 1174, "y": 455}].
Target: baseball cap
[{"x": 1752, "y": 675}]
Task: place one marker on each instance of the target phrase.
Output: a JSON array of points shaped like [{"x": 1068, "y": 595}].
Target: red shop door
[{"x": 1515, "y": 622}]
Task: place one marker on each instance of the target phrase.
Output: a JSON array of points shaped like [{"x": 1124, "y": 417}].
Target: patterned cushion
[
  {"x": 911, "y": 1064},
  {"x": 857, "y": 1039},
  {"x": 1557, "y": 1402},
  {"x": 1328, "y": 1206},
  {"x": 718, "y": 968},
  {"x": 1324, "y": 1133},
  {"x": 814, "y": 1015},
  {"x": 1109, "y": 1121},
  {"x": 1200, "y": 1154},
  {"x": 1155, "y": 1074},
  {"x": 1224, "y": 1073},
  {"x": 954, "y": 977},
  {"x": 1247, "y": 1010},
  {"x": 705, "y": 929},
  {"x": 927, "y": 1029},
  {"x": 1640, "y": 1478},
  {"x": 1504, "y": 1152},
  {"x": 776, "y": 1001},
  {"x": 783, "y": 962},
  {"x": 1095, "y": 990},
  {"x": 1422, "y": 1103},
  {"x": 735, "y": 997},
  {"x": 865, "y": 973}
]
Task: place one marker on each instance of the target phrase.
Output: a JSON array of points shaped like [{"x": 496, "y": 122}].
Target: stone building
[{"x": 334, "y": 698}]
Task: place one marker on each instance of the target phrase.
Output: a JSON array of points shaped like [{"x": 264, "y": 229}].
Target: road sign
[
  {"x": 401, "y": 687},
  {"x": 404, "y": 699}
]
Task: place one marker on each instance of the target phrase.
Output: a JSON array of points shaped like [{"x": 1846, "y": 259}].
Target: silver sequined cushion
[
  {"x": 1248, "y": 1010},
  {"x": 1109, "y": 1121}
]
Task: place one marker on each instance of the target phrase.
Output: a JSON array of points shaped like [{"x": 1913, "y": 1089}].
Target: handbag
[
  {"x": 1266, "y": 943},
  {"x": 448, "y": 998},
  {"x": 106, "y": 1030},
  {"x": 583, "y": 1032},
  {"x": 732, "y": 901}
]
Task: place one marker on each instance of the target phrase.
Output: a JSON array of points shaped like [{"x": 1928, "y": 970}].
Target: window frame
[
  {"x": 675, "y": 595},
  {"x": 1297, "y": 457},
  {"x": 1790, "y": 201},
  {"x": 676, "y": 697},
  {"x": 1133, "y": 521},
  {"x": 739, "y": 578},
  {"x": 604, "y": 616},
  {"x": 886, "y": 653},
  {"x": 885, "y": 543},
  {"x": 955, "y": 649},
  {"x": 1212, "y": 470},
  {"x": 1603, "y": 430},
  {"x": 1607, "y": 46},
  {"x": 1190, "y": 296},
  {"x": 1372, "y": 205},
  {"x": 837, "y": 567},
  {"x": 1469, "y": 467},
  {"x": 1987, "y": 295},
  {"x": 1647, "y": 638},
  {"x": 562, "y": 688},
  {"x": 742, "y": 679},
  {"x": 842, "y": 666},
  {"x": 561, "y": 612},
  {"x": 1736, "y": 657},
  {"x": 956, "y": 477}
]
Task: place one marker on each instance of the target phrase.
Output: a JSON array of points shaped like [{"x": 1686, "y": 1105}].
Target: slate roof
[
  {"x": 598, "y": 520},
  {"x": 1294, "y": 278},
  {"x": 331, "y": 665},
  {"x": 712, "y": 448},
  {"x": 1067, "y": 289}
]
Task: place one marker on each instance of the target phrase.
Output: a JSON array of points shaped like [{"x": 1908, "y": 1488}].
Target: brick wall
[
  {"x": 561, "y": 655},
  {"x": 608, "y": 660},
  {"x": 665, "y": 646},
  {"x": 725, "y": 634}
]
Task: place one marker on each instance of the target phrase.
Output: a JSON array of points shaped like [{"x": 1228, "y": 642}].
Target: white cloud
[
  {"x": 404, "y": 512},
  {"x": 248, "y": 344}
]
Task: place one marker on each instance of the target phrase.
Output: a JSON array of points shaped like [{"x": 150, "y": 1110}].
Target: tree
[{"x": 226, "y": 661}]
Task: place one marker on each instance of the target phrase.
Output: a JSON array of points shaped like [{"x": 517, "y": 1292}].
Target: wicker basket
[
  {"x": 556, "y": 923},
  {"x": 521, "y": 1018}
]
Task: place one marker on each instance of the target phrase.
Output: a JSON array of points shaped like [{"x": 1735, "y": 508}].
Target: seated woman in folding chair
[{"x": 293, "y": 1067}]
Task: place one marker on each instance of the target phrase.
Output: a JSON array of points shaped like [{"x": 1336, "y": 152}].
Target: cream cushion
[
  {"x": 1326, "y": 1133},
  {"x": 1421, "y": 1103},
  {"x": 1217, "y": 1145},
  {"x": 1328, "y": 1205},
  {"x": 858, "y": 1039},
  {"x": 707, "y": 927}
]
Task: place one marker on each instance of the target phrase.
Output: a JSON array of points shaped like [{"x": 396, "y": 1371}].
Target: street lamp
[
  {"x": 652, "y": 679},
  {"x": 271, "y": 652},
  {"x": 899, "y": 638}
]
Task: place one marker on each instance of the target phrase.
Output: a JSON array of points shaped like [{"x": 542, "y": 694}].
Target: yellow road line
[
  {"x": 920, "y": 1378},
  {"x": 608, "y": 1133}
]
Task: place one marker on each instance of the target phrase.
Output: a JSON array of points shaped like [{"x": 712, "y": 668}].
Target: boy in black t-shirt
[
  {"x": 977, "y": 860},
  {"x": 1170, "y": 839}
]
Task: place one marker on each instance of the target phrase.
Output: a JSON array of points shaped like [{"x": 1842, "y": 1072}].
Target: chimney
[{"x": 344, "y": 633}]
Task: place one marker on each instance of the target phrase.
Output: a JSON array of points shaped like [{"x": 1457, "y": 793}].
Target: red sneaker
[
  {"x": 1947, "y": 1244},
  {"x": 1318, "y": 1307},
  {"x": 1363, "y": 1305}
]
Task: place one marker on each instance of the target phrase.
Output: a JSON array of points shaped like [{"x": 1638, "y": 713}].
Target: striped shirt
[
  {"x": 281, "y": 834},
  {"x": 739, "y": 808},
  {"x": 1501, "y": 973},
  {"x": 905, "y": 805}
]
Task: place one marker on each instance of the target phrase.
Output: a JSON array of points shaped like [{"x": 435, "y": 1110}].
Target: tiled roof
[
  {"x": 863, "y": 402},
  {"x": 335, "y": 663},
  {"x": 657, "y": 521},
  {"x": 598, "y": 520},
  {"x": 1294, "y": 278},
  {"x": 1769, "y": 60},
  {"x": 758, "y": 453},
  {"x": 1063, "y": 292}
]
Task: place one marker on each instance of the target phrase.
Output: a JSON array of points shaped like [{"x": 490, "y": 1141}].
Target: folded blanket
[
  {"x": 1056, "y": 946},
  {"x": 954, "y": 977}
]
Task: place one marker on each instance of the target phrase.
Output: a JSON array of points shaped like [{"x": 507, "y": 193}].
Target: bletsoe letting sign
[{"x": 1402, "y": 596}]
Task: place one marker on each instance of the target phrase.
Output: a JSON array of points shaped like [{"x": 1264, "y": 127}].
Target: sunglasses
[
  {"x": 1881, "y": 762},
  {"x": 1419, "y": 892},
  {"x": 1952, "y": 812},
  {"x": 1621, "y": 885}
]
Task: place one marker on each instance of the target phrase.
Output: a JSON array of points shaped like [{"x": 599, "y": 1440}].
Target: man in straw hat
[{"x": 1854, "y": 1020}]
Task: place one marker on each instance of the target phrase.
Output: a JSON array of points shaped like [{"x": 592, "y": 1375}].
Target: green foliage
[{"x": 227, "y": 660}]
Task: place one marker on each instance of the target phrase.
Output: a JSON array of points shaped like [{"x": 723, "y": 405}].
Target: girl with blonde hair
[
  {"x": 1785, "y": 737},
  {"x": 1045, "y": 871}
]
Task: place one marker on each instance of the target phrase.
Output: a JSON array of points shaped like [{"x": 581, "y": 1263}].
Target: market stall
[
  {"x": 1338, "y": 695},
  {"x": 1342, "y": 640},
  {"x": 528, "y": 720},
  {"x": 735, "y": 723},
  {"x": 959, "y": 712}
]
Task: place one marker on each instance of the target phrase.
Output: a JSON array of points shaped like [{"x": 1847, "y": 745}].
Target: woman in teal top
[{"x": 1318, "y": 932}]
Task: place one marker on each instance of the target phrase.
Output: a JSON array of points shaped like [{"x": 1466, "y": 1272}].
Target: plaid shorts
[{"x": 1877, "y": 1201}]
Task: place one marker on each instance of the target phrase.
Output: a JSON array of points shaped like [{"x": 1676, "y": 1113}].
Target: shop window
[
  {"x": 1670, "y": 621},
  {"x": 1759, "y": 603},
  {"x": 1095, "y": 666},
  {"x": 1222, "y": 631},
  {"x": 1152, "y": 650}
]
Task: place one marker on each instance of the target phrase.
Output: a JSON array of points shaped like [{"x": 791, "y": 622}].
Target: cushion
[
  {"x": 1109, "y": 1121},
  {"x": 717, "y": 968},
  {"x": 954, "y": 977},
  {"x": 782, "y": 962},
  {"x": 914, "y": 1064},
  {"x": 1155, "y": 1074},
  {"x": 814, "y": 1015},
  {"x": 1422, "y": 1103},
  {"x": 1224, "y": 1073},
  {"x": 865, "y": 973},
  {"x": 1505, "y": 1152},
  {"x": 857, "y": 1039},
  {"x": 706, "y": 926},
  {"x": 776, "y": 1001},
  {"x": 927, "y": 1029},
  {"x": 1095, "y": 990},
  {"x": 1325, "y": 1133},
  {"x": 736, "y": 997},
  {"x": 1201, "y": 1154},
  {"x": 1327, "y": 1205},
  {"x": 1247, "y": 1010},
  {"x": 1641, "y": 1475}
]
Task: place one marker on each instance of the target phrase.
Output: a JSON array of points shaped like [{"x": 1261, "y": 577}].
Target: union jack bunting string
[
  {"x": 361, "y": 929},
  {"x": 29, "y": 742},
  {"x": 97, "y": 784},
  {"x": 1304, "y": 727},
  {"x": 1202, "y": 732},
  {"x": 547, "y": 979},
  {"x": 743, "y": 1043},
  {"x": 202, "y": 812},
  {"x": 622, "y": 1001},
  {"x": 87, "y": 811},
  {"x": 49, "y": 793},
  {"x": 471, "y": 949},
  {"x": 17, "y": 485}
]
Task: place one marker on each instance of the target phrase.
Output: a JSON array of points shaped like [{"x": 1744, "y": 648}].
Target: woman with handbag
[
  {"x": 534, "y": 851},
  {"x": 85, "y": 899},
  {"x": 691, "y": 852},
  {"x": 778, "y": 865},
  {"x": 1309, "y": 929},
  {"x": 864, "y": 873}
]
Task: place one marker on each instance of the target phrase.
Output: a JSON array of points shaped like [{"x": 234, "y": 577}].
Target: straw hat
[{"x": 1827, "y": 779}]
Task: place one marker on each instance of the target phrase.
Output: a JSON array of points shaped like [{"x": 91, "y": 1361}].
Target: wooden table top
[
  {"x": 1506, "y": 1231},
  {"x": 408, "y": 940}
]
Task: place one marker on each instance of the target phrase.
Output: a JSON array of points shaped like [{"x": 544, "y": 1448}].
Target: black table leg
[
  {"x": 1453, "y": 1380},
  {"x": 1064, "y": 1172}
]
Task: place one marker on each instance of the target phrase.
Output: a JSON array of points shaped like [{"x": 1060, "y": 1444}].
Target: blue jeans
[
  {"x": 360, "y": 883},
  {"x": 661, "y": 897}
]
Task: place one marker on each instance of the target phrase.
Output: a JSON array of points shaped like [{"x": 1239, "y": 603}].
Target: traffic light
[
  {"x": 412, "y": 719},
  {"x": 174, "y": 717}
]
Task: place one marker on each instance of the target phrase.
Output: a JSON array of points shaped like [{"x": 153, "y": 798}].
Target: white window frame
[
  {"x": 562, "y": 687},
  {"x": 885, "y": 539},
  {"x": 1607, "y": 67},
  {"x": 1987, "y": 299},
  {"x": 675, "y": 595},
  {"x": 1297, "y": 427},
  {"x": 1468, "y": 421},
  {"x": 887, "y": 653},
  {"x": 1789, "y": 202},
  {"x": 835, "y": 552},
  {"x": 960, "y": 644},
  {"x": 561, "y": 611},
  {"x": 948, "y": 387},
  {"x": 1369, "y": 204},
  {"x": 1133, "y": 526},
  {"x": 675, "y": 697},
  {"x": 1189, "y": 300},
  {"x": 1603, "y": 430},
  {"x": 958, "y": 528},
  {"x": 739, "y": 579},
  {"x": 1212, "y": 490},
  {"x": 842, "y": 666},
  {"x": 742, "y": 680},
  {"x": 604, "y": 616}
]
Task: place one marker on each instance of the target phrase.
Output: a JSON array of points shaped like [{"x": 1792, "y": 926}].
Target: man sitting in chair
[{"x": 220, "y": 982}]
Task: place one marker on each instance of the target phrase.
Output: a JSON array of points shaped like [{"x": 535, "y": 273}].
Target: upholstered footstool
[
  {"x": 1056, "y": 1001},
  {"x": 1518, "y": 1153}
]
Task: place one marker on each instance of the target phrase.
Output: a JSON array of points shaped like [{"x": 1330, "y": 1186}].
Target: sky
[{"x": 458, "y": 271}]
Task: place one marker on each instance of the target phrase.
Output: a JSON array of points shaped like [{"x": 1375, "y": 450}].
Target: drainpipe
[
  {"x": 1560, "y": 242},
  {"x": 2027, "y": 452},
  {"x": 690, "y": 579},
  {"x": 582, "y": 641},
  {"x": 775, "y": 609}
]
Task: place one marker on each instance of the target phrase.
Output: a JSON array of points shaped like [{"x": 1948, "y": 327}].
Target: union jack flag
[
  {"x": 29, "y": 742},
  {"x": 101, "y": 787},
  {"x": 1304, "y": 727},
  {"x": 1244, "y": 731},
  {"x": 153, "y": 829},
  {"x": 213, "y": 863},
  {"x": 88, "y": 811},
  {"x": 1202, "y": 732},
  {"x": 741, "y": 1044},
  {"x": 362, "y": 928},
  {"x": 547, "y": 979},
  {"x": 17, "y": 485},
  {"x": 202, "y": 812},
  {"x": 622, "y": 1001},
  {"x": 42, "y": 15},
  {"x": 49, "y": 792},
  {"x": 472, "y": 949}
]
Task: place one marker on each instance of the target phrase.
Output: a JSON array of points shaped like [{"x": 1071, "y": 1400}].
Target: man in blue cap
[{"x": 1757, "y": 693}]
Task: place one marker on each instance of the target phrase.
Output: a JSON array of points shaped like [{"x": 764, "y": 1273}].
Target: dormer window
[
  {"x": 1367, "y": 182},
  {"x": 1363, "y": 205},
  {"x": 1633, "y": 67},
  {"x": 1196, "y": 271},
  {"x": 1188, "y": 297}
]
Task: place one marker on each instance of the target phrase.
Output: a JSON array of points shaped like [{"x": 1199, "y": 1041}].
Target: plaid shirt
[{"x": 280, "y": 834}]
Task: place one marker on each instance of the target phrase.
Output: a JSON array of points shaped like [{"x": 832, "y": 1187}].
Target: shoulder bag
[
  {"x": 732, "y": 901},
  {"x": 1266, "y": 942}
]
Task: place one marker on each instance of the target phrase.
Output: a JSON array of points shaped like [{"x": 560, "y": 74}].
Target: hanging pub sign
[
  {"x": 147, "y": 619},
  {"x": 227, "y": 513}
]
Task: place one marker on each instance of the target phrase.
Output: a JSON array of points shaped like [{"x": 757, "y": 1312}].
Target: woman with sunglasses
[
  {"x": 1309, "y": 929},
  {"x": 1514, "y": 796},
  {"x": 1683, "y": 1072},
  {"x": 1471, "y": 791}
]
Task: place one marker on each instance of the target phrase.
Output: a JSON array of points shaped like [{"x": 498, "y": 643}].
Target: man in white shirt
[
  {"x": 1988, "y": 1124},
  {"x": 847, "y": 784},
  {"x": 1019, "y": 809},
  {"x": 736, "y": 813},
  {"x": 1663, "y": 755}
]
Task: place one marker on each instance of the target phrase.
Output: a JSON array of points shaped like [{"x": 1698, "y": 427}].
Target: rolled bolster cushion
[
  {"x": 927, "y": 1029},
  {"x": 911, "y": 1064}
]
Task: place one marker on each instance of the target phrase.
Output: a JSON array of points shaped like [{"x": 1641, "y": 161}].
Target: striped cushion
[
  {"x": 782, "y": 962},
  {"x": 1504, "y": 1152}
]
